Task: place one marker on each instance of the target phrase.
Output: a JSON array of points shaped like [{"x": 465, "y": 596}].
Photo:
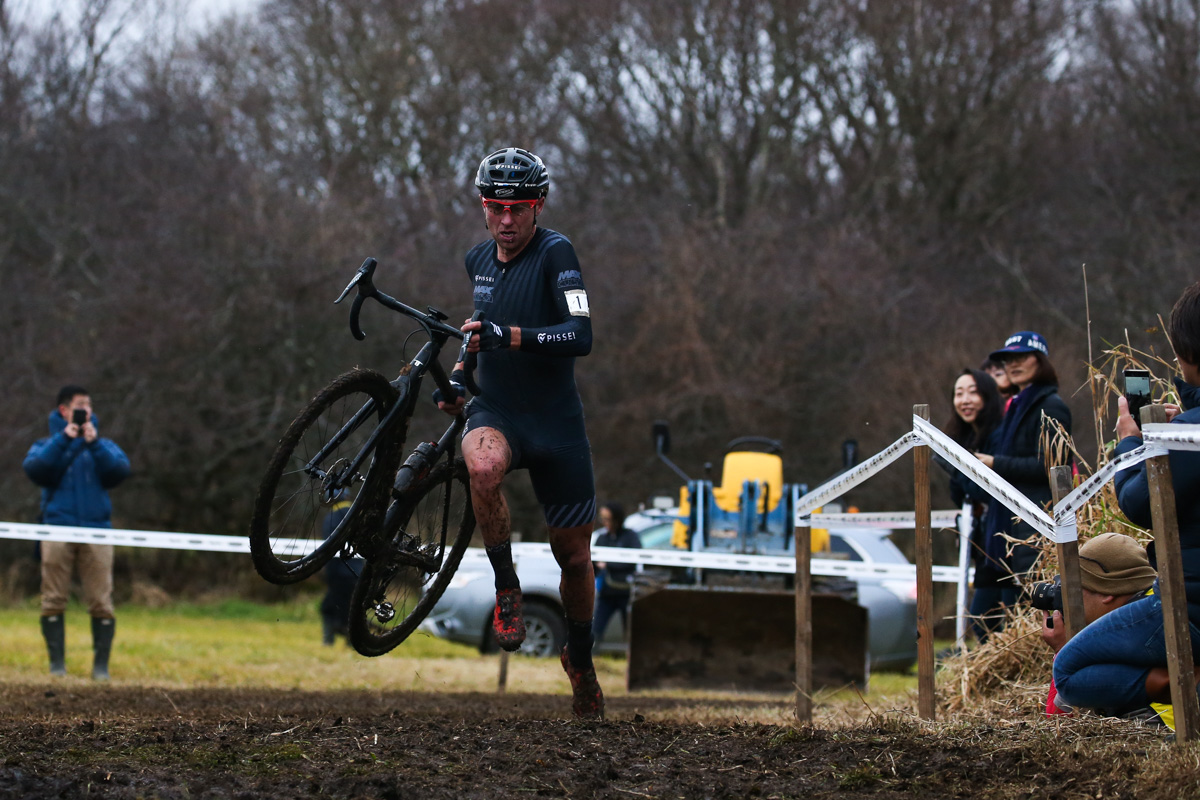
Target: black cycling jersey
[
  {"x": 529, "y": 395},
  {"x": 540, "y": 291}
]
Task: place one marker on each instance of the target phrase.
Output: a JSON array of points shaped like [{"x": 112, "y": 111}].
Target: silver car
[{"x": 464, "y": 614}]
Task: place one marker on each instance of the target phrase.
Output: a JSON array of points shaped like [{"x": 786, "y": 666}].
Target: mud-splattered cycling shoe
[
  {"x": 508, "y": 623},
  {"x": 587, "y": 701}
]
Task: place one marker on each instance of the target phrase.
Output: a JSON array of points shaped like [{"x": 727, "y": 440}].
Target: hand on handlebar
[
  {"x": 453, "y": 405},
  {"x": 488, "y": 336}
]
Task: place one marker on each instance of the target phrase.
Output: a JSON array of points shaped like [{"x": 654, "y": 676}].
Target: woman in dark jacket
[
  {"x": 978, "y": 408},
  {"x": 612, "y": 578},
  {"x": 1017, "y": 456}
]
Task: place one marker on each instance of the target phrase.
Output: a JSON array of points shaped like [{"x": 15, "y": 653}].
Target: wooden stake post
[
  {"x": 804, "y": 630},
  {"x": 926, "y": 689},
  {"x": 1170, "y": 585},
  {"x": 1068, "y": 560},
  {"x": 502, "y": 679}
]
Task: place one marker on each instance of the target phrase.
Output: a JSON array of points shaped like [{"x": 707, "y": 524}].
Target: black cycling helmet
[{"x": 512, "y": 174}]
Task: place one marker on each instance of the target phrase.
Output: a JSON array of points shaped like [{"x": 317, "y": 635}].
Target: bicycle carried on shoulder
[{"x": 336, "y": 486}]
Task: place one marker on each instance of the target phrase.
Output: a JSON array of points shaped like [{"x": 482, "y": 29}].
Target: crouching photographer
[
  {"x": 1114, "y": 571},
  {"x": 1120, "y": 662}
]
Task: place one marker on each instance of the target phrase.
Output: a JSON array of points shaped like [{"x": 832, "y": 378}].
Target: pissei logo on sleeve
[{"x": 556, "y": 337}]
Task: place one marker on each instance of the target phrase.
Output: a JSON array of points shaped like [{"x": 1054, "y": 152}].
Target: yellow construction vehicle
[{"x": 736, "y": 629}]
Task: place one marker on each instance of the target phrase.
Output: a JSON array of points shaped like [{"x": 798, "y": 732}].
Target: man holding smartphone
[{"x": 75, "y": 468}]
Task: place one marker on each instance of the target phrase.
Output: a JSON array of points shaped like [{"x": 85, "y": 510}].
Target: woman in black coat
[
  {"x": 1017, "y": 456},
  {"x": 978, "y": 408}
]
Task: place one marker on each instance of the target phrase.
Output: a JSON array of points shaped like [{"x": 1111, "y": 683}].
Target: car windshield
[
  {"x": 841, "y": 549},
  {"x": 657, "y": 536}
]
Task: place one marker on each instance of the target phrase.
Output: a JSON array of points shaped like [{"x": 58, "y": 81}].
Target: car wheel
[{"x": 545, "y": 631}]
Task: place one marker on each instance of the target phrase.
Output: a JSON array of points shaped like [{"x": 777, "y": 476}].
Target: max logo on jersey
[
  {"x": 483, "y": 294},
  {"x": 570, "y": 279}
]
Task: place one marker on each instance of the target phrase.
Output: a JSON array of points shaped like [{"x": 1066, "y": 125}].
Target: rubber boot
[
  {"x": 102, "y": 637},
  {"x": 329, "y": 628},
  {"x": 55, "y": 633}
]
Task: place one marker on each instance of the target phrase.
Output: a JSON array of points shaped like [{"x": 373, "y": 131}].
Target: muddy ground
[{"x": 122, "y": 742}]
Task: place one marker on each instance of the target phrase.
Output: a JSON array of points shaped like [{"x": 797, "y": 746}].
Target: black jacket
[
  {"x": 1020, "y": 460},
  {"x": 613, "y": 580}
]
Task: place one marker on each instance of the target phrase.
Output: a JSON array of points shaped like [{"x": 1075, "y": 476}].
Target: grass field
[{"x": 240, "y": 644}]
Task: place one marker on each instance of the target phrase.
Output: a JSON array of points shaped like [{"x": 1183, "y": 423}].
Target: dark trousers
[
  {"x": 988, "y": 608},
  {"x": 606, "y": 606}
]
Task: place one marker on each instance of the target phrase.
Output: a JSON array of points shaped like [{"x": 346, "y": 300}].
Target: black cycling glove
[
  {"x": 456, "y": 385},
  {"x": 494, "y": 337}
]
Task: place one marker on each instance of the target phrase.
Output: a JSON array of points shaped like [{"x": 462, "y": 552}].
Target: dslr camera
[{"x": 1046, "y": 596}]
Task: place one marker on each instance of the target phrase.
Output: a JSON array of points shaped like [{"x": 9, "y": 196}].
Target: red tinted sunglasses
[{"x": 518, "y": 208}]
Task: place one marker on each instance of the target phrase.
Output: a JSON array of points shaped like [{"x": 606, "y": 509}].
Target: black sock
[
  {"x": 502, "y": 565},
  {"x": 579, "y": 644}
]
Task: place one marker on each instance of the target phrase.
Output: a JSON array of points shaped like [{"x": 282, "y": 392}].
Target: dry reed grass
[{"x": 1007, "y": 676}]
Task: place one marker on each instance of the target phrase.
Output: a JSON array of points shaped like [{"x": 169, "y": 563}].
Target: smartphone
[
  {"x": 1137, "y": 392},
  {"x": 79, "y": 416}
]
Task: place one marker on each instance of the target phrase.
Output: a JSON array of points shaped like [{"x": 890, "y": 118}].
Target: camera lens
[{"x": 1046, "y": 596}]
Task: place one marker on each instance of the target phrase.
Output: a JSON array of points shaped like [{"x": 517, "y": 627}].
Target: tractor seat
[{"x": 742, "y": 466}]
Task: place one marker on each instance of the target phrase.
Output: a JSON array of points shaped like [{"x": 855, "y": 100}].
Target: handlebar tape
[
  {"x": 470, "y": 360},
  {"x": 358, "y": 332}
]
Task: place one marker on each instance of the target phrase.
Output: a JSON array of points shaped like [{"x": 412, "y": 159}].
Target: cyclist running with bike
[{"x": 528, "y": 284}]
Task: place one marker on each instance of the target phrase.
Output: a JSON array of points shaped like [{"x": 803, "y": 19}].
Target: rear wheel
[
  {"x": 313, "y": 496},
  {"x": 397, "y": 590}
]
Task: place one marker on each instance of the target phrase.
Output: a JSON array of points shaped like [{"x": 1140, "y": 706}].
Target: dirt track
[{"x": 148, "y": 743}]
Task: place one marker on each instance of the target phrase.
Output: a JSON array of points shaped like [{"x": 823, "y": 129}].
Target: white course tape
[
  {"x": 992, "y": 483},
  {"x": 667, "y": 558},
  {"x": 882, "y": 519},
  {"x": 785, "y": 565},
  {"x": 1068, "y": 507},
  {"x": 1175, "y": 437},
  {"x": 126, "y": 538},
  {"x": 836, "y": 487}
]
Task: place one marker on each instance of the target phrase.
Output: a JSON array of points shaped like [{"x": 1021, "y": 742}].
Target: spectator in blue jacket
[
  {"x": 1119, "y": 662},
  {"x": 75, "y": 468}
]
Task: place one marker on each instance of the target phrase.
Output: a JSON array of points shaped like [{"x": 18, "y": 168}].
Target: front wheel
[
  {"x": 324, "y": 479},
  {"x": 397, "y": 590}
]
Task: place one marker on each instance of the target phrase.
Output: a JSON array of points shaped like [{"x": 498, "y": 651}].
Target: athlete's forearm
[{"x": 570, "y": 338}]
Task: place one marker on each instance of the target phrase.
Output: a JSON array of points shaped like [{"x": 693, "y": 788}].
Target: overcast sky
[{"x": 197, "y": 12}]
